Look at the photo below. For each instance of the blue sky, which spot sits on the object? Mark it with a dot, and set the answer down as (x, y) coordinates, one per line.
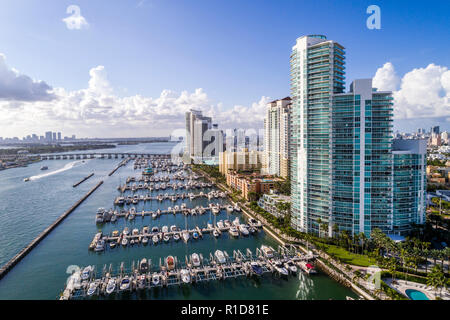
(236, 51)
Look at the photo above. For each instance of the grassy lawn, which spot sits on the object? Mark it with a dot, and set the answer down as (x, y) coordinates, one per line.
(349, 257)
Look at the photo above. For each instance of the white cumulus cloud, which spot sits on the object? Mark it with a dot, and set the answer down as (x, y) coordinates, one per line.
(420, 93)
(19, 87)
(98, 111)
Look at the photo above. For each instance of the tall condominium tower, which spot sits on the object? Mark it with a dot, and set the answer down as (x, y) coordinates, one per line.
(276, 137)
(196, 126)
(361, 144)
(348, 173)
(317, 72)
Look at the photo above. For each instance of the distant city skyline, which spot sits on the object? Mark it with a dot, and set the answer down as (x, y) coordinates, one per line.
(145, 73)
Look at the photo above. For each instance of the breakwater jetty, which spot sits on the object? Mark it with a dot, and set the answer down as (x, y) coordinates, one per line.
(11, 263)
(82, 180)
(121, 164)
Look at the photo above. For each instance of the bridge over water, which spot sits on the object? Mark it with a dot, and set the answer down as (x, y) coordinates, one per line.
(104, 155)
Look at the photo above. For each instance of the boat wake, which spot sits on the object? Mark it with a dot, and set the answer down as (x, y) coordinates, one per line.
(65, 168)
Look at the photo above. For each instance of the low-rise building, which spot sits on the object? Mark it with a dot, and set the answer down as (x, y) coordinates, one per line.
(270, 202)
(247, 183)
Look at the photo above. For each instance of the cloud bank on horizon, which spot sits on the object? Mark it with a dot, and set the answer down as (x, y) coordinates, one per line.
(420, 93)
(97, 111)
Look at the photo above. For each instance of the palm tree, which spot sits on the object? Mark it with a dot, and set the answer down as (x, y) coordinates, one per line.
(436, 279)
(363, 238)
(336, 231)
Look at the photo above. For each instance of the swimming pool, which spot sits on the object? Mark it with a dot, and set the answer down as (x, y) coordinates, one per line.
(416, 295)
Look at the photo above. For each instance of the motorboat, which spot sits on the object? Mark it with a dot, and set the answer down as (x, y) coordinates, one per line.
(155, 239)
(195, 235)
(155, 229)
(86, 272)
(256, 268)
(185, 235)
(252, 230)
(144, 240)
(165, 229)
(92, 288)
(154, 215)
(166, 238)
(230, 209)
(236, 222)
(234, 231)
(195, 259)
(173, 228)
(114, 218)
(280, 268)
(220, 225)
(135, 232)
(220, 257)
(227, 223)
(111, 286)
(307, 267)
(216, 233)
(291, 267)
(215, 210)
(124, 284)
(112, 244)
(185, 276)
(141, 281)
(124, 242)
(143, 265)
(155, 279)
(176, 237)
(126, 231)
(243, 230)
(267, 251)
(100, 245)
(237, 208)
(170, 262)
(44, 168)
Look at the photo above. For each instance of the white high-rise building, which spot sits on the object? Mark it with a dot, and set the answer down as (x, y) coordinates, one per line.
(276, 137)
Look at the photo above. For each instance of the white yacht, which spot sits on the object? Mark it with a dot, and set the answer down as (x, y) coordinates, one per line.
(87, 272)
(185, 276)
(195, 258)
(111, 286)
(267, 251)
(243, 229)
(92, 288)
(220, 256)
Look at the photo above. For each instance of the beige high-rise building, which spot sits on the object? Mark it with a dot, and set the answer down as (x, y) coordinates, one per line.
(276, 137)
(241, 160)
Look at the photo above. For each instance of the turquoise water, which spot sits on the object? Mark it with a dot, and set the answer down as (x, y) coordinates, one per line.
(416, 294)
(28, 208)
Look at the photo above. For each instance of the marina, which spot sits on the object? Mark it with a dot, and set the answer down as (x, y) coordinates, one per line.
(44, 277)
(171, 271)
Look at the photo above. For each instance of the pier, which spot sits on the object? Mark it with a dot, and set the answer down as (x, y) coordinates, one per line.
(121, 164)
(107, 216)
(82, 180)
(136, 236)
(146, 276)
(11, 263)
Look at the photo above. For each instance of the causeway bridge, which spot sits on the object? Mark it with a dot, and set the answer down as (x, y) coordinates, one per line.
(104, 155)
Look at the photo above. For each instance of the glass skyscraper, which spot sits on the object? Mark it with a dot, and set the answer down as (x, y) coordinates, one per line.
(344, 172)
(317, 72)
